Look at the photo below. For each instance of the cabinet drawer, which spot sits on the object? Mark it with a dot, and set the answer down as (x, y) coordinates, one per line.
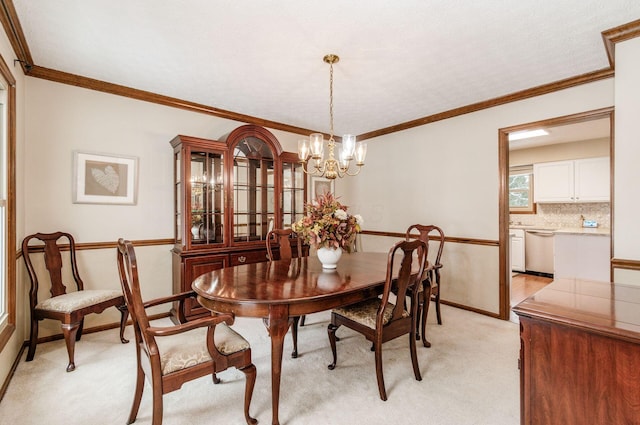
(248, 257)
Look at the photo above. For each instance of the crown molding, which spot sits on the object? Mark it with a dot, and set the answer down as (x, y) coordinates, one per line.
(103, 86)
(513, 97)
(13, 29)
(11, 24)
(618, 34)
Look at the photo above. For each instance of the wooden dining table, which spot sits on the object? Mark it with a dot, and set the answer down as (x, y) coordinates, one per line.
(280, 290)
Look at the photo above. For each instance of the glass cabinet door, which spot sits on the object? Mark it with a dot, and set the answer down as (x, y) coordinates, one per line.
(253, 190)
(178, 200)
(292, 193)
(207, 198)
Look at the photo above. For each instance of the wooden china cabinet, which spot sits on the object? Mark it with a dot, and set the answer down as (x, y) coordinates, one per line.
(228, 195)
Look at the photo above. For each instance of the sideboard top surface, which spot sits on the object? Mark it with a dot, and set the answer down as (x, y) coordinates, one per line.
(606, 308)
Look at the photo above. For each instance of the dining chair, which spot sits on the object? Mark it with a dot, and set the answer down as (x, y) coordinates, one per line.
(431, 279)
(69, 302)
(378, 319)
(169, 356)
(281, 238)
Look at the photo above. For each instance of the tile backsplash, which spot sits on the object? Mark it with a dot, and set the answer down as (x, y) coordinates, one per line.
(566, 215)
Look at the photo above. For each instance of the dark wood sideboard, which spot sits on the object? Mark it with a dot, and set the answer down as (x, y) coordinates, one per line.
(580, 354)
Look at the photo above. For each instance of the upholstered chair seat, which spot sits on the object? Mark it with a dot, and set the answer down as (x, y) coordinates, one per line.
(72, 301)
(365, 312)
(188, 349)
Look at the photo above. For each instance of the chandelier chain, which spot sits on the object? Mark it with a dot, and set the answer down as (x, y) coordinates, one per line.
(331, 100)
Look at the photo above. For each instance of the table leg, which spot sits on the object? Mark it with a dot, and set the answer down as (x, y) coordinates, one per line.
(278, 326)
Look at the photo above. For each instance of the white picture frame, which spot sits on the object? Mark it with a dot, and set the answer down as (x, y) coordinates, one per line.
(321, 185)
(104, 179)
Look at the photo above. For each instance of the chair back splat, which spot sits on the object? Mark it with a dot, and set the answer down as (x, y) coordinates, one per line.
(430, 288)
(282, 238)
(169, 356)
(378, 319)
(70, 303)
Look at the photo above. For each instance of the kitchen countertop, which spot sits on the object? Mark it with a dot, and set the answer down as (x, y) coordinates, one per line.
(583, 231)
(530, 227)
(596, 231)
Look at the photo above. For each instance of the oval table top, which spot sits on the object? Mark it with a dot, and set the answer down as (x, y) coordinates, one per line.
(302, 284)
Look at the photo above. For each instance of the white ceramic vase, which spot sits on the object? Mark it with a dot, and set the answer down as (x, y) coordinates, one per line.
(329, 257)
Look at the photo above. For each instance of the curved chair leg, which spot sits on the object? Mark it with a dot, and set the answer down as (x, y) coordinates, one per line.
(250, 372)
(124, 316)
(216, 380)
(294, 335)
(80, 329)
(424, 313)
(331, 330)
(302, 320)
(414, 357)
(70, 331)
(419, 310)
(33, 339)
(379, 375)
(438, 308)
(137, 396)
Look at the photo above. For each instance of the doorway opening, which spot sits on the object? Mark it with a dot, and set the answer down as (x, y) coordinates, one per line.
(584, 133)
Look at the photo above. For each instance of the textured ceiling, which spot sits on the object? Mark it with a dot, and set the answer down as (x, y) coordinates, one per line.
(588, 130)
(399, 61)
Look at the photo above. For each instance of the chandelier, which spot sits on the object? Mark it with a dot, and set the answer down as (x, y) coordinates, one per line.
(313, 148)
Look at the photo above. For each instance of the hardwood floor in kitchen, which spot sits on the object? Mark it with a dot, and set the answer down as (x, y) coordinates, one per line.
(524, 285)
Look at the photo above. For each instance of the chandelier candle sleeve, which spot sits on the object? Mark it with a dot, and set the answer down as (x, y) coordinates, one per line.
(348, 146)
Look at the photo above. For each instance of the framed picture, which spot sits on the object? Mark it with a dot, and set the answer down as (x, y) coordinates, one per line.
(104, 179)
(321, 186)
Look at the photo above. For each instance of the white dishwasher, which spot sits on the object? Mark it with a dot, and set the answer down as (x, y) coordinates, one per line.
(538, 251)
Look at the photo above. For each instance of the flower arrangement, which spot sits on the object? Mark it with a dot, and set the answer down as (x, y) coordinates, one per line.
(327, 224)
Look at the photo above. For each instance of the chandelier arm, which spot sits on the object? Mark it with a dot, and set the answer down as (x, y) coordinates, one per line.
(347, 173)
(317, 171)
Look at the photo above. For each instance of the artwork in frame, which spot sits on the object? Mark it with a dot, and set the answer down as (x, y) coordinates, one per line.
(104, 179)
(321, 186)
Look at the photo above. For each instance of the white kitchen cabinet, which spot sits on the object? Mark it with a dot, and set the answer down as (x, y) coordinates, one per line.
(581, 180)
(582, 256)
(591, 182)
(517, 250)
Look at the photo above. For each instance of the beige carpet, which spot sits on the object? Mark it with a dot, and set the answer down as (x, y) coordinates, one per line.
(470, 376)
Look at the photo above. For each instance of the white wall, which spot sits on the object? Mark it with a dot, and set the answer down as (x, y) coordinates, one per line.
(446, 173)
(627, 155)
(573, 150)
(65, 118)
(62, 119)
